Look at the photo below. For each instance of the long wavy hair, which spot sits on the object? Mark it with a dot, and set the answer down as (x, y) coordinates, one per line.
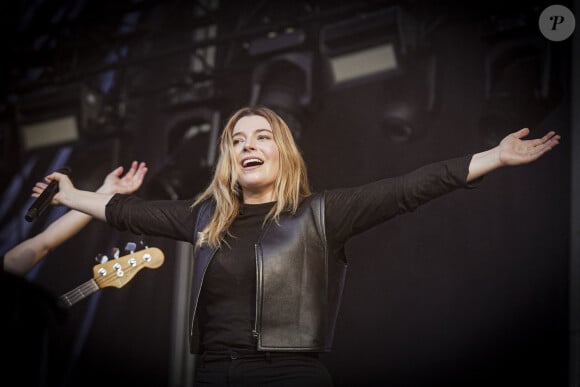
(291, 184)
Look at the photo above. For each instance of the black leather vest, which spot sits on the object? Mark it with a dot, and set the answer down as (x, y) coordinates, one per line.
(299, 285)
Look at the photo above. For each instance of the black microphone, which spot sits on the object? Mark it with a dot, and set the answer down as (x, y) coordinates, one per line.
(43, 201)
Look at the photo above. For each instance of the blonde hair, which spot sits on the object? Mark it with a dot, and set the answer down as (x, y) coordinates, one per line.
(290, 188)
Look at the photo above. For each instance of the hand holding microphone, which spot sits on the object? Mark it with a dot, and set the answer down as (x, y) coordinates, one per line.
(43, 201)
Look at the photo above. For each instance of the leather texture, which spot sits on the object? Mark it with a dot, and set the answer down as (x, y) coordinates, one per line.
(299, 286)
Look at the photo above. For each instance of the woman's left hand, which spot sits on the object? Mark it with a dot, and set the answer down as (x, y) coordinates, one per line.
(514, 150)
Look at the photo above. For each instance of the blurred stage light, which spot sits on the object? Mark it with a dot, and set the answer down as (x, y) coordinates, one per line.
(366, 62)
(363, 48)
(48, 117)
(52, 132)
(64, 114)
(284, 83)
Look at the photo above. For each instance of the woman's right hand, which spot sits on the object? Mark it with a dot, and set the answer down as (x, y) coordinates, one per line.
(91, 203)
(65, 186)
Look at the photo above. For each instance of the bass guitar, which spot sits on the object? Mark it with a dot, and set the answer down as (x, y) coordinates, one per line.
(115, 272)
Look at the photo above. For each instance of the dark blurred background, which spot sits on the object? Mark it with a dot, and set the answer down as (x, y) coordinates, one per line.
(472, 289)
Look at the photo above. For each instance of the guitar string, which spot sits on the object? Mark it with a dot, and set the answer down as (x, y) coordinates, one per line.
(80, 292)
(91, 286)
(88, 288)
(94, 284)
(70, 295)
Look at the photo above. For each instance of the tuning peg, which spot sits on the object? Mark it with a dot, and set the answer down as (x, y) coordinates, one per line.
(143, 244)
(100, 258)
(115, 252)
(131, 246)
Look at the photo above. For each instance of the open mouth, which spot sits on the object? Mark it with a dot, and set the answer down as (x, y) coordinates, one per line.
(251, 162)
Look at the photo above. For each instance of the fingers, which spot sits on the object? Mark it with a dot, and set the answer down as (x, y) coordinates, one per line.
(132, 171)
(118, 171)
(139, 176)
(547, 137)
(522, 133)
(142, 170)
(133, 168)
(550, 139)
(53, 176)
(138, 170)
(134, 177)
(38, 188)
(543, 145)
(553, 138)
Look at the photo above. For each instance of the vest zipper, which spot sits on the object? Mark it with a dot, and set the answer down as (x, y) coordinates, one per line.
(256, 331)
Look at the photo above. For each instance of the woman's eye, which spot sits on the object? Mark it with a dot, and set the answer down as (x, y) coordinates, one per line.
(237, 141)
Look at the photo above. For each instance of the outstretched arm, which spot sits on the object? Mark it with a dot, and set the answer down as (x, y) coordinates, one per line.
(512, 150)
(90, 203)
(22, 257)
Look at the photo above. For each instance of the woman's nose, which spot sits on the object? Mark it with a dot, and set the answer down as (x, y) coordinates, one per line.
(249, 144)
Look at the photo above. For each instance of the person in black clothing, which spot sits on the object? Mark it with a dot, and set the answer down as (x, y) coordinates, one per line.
(269, 257)
(30, 312)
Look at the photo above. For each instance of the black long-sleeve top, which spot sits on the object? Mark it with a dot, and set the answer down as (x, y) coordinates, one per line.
(227, 300)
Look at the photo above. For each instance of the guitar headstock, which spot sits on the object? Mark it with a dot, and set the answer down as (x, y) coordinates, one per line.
(118, 272)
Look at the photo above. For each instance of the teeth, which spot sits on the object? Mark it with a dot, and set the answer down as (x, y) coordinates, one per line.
(252, 162)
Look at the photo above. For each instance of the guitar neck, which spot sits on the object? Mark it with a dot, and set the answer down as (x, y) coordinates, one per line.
(79, 293)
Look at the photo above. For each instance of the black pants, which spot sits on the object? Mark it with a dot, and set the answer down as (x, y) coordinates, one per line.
(233, 369)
